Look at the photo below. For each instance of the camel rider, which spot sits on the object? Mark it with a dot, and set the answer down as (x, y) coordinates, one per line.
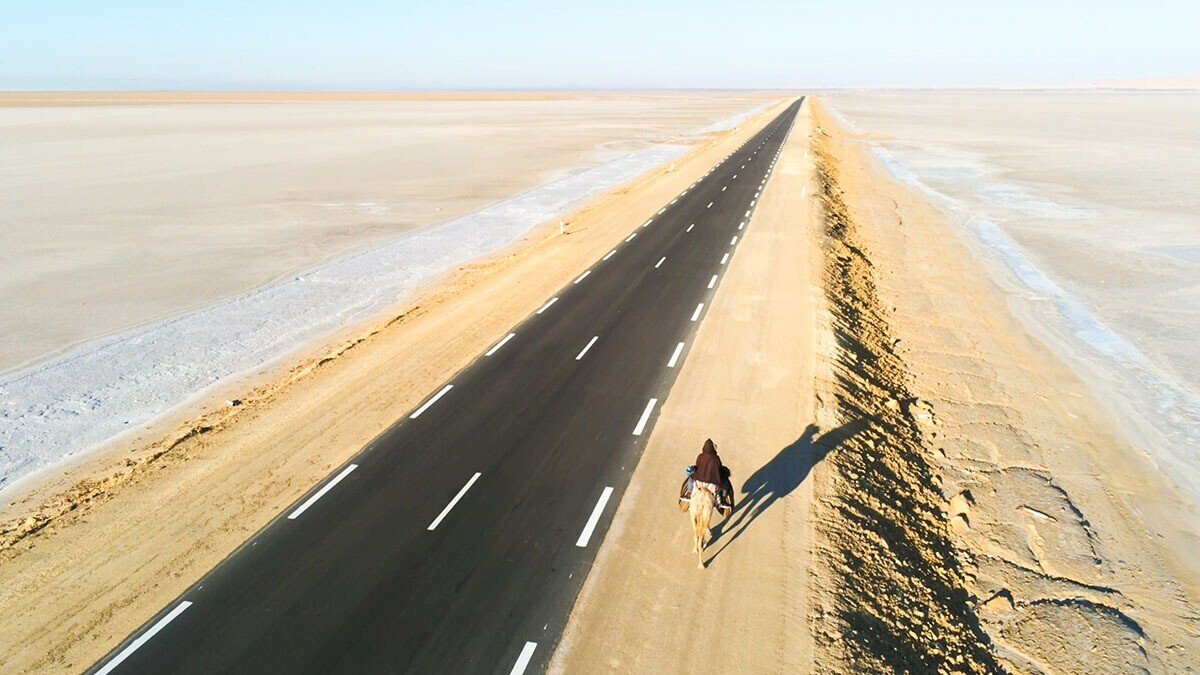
(711, 474)
(708, 467)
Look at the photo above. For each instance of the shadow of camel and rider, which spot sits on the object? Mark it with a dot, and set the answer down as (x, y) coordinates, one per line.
(777, 479)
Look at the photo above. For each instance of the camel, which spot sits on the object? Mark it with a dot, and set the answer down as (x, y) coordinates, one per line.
(701, 507)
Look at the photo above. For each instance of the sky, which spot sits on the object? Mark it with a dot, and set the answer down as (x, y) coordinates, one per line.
(621, 44)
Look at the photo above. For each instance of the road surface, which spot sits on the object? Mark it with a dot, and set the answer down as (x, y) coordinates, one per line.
(458, 540)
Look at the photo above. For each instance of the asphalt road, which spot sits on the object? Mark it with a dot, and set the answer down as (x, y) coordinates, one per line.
(458, 540)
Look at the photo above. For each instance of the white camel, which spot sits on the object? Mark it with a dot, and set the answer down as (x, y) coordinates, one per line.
(701, 507)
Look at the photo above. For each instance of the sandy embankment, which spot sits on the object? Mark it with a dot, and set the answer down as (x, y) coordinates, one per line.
(985, 515)
(748, 383)
(88, 566)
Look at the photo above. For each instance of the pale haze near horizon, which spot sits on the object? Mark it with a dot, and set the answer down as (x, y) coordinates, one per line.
(537, 44)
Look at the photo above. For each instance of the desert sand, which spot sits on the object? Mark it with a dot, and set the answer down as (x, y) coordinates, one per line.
(990, 515)
(88, 556)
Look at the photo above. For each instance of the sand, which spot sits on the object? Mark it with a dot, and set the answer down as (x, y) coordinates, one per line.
(989, 483)
(748, 383)
(91, 554)
(118, 215)
(1088, 203)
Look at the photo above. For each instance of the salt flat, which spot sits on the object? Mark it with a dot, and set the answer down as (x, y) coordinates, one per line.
(1090, 205)
(188, 210)
(117, 210)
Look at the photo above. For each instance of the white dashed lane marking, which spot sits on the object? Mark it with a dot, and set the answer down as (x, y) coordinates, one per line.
(144, 638)
(641, 425)
(499, 344)
(594, 518)
(678, 351)
(523, 660)
(582, 277)
(587, 347)
(441, 516)
(547, 305)
(431, 401)
(321, 493)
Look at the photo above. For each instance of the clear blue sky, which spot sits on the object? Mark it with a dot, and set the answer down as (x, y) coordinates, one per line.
(299, 44)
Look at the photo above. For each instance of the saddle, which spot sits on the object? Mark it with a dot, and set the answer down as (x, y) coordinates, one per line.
(724, 494)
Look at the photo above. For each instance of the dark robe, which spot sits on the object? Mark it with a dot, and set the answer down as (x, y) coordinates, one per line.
(708, 465)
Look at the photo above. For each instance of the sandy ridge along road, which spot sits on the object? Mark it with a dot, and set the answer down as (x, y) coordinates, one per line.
(986, 514)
